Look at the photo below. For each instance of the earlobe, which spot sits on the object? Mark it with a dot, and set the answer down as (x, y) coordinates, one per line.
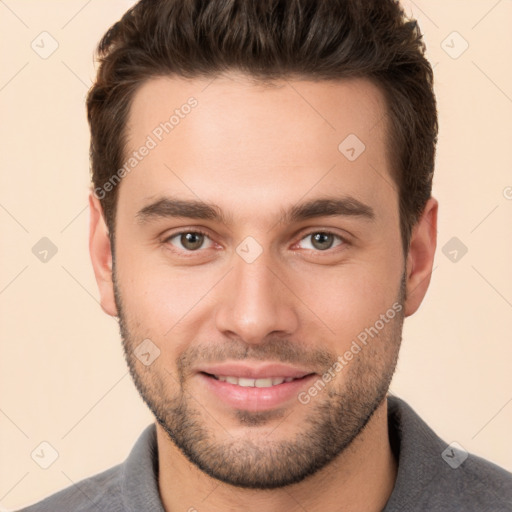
(420, 258)
(101, 256)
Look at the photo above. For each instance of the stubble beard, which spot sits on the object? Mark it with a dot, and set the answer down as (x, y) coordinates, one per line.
(337, 415)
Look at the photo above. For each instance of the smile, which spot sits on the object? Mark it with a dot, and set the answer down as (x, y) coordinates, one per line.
(253, 383)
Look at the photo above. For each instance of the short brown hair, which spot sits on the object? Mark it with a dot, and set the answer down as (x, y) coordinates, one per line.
(267, 40)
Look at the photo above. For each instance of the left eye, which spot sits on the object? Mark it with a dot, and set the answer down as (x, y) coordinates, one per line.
(322, 240)
(194, 240)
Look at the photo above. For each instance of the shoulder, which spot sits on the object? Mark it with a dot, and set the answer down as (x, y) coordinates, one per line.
(99, 492)
(475, 485)
(131, 485)
(434, 475)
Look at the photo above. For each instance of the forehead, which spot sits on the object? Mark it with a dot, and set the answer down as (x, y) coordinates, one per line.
(229, 137)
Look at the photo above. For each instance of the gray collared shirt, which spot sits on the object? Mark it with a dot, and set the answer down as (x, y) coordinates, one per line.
(432, 476)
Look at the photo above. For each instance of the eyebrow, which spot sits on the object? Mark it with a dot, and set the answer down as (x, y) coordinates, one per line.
(168, 207)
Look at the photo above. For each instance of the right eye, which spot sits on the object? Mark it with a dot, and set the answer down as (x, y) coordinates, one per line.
(190, 241)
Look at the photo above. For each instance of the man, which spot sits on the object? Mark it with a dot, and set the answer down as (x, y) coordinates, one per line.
(261, 224)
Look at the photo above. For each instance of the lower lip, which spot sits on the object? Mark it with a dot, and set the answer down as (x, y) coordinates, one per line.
(256, 399)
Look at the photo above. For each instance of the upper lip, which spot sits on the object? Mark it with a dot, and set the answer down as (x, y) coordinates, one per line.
(254, 371)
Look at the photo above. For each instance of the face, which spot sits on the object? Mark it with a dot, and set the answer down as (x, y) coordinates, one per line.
(258, 278)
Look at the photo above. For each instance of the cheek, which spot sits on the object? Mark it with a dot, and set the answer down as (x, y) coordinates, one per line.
(350, 298)
(158, 300)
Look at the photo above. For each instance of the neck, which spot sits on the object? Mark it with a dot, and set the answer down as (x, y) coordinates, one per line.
(361, 478)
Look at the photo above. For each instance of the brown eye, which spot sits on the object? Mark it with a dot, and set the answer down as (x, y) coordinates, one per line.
(192, 241)
(188, 241)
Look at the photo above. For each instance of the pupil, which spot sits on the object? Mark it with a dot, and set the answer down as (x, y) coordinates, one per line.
(192, 240)
(321, 238)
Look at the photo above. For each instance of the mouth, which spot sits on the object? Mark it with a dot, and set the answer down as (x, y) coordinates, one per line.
(245, 382)
(253, 388)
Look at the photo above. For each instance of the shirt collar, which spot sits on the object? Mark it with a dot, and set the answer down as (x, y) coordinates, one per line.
(139, 480)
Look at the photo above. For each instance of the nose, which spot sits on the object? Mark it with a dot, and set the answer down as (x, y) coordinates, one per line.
(256, 302)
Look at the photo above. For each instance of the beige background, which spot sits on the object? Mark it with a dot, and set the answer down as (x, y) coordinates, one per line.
(63, 378)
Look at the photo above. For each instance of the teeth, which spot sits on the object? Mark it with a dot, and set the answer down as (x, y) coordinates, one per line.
(254, 383)
(263, 383)
(246, 383)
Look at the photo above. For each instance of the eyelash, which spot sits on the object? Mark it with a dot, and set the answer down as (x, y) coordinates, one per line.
(200, 232)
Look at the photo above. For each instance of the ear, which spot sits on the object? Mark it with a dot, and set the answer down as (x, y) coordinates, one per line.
(421, 257)
(101, 256)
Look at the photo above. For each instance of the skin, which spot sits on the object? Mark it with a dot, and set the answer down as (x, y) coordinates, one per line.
(254, 151)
